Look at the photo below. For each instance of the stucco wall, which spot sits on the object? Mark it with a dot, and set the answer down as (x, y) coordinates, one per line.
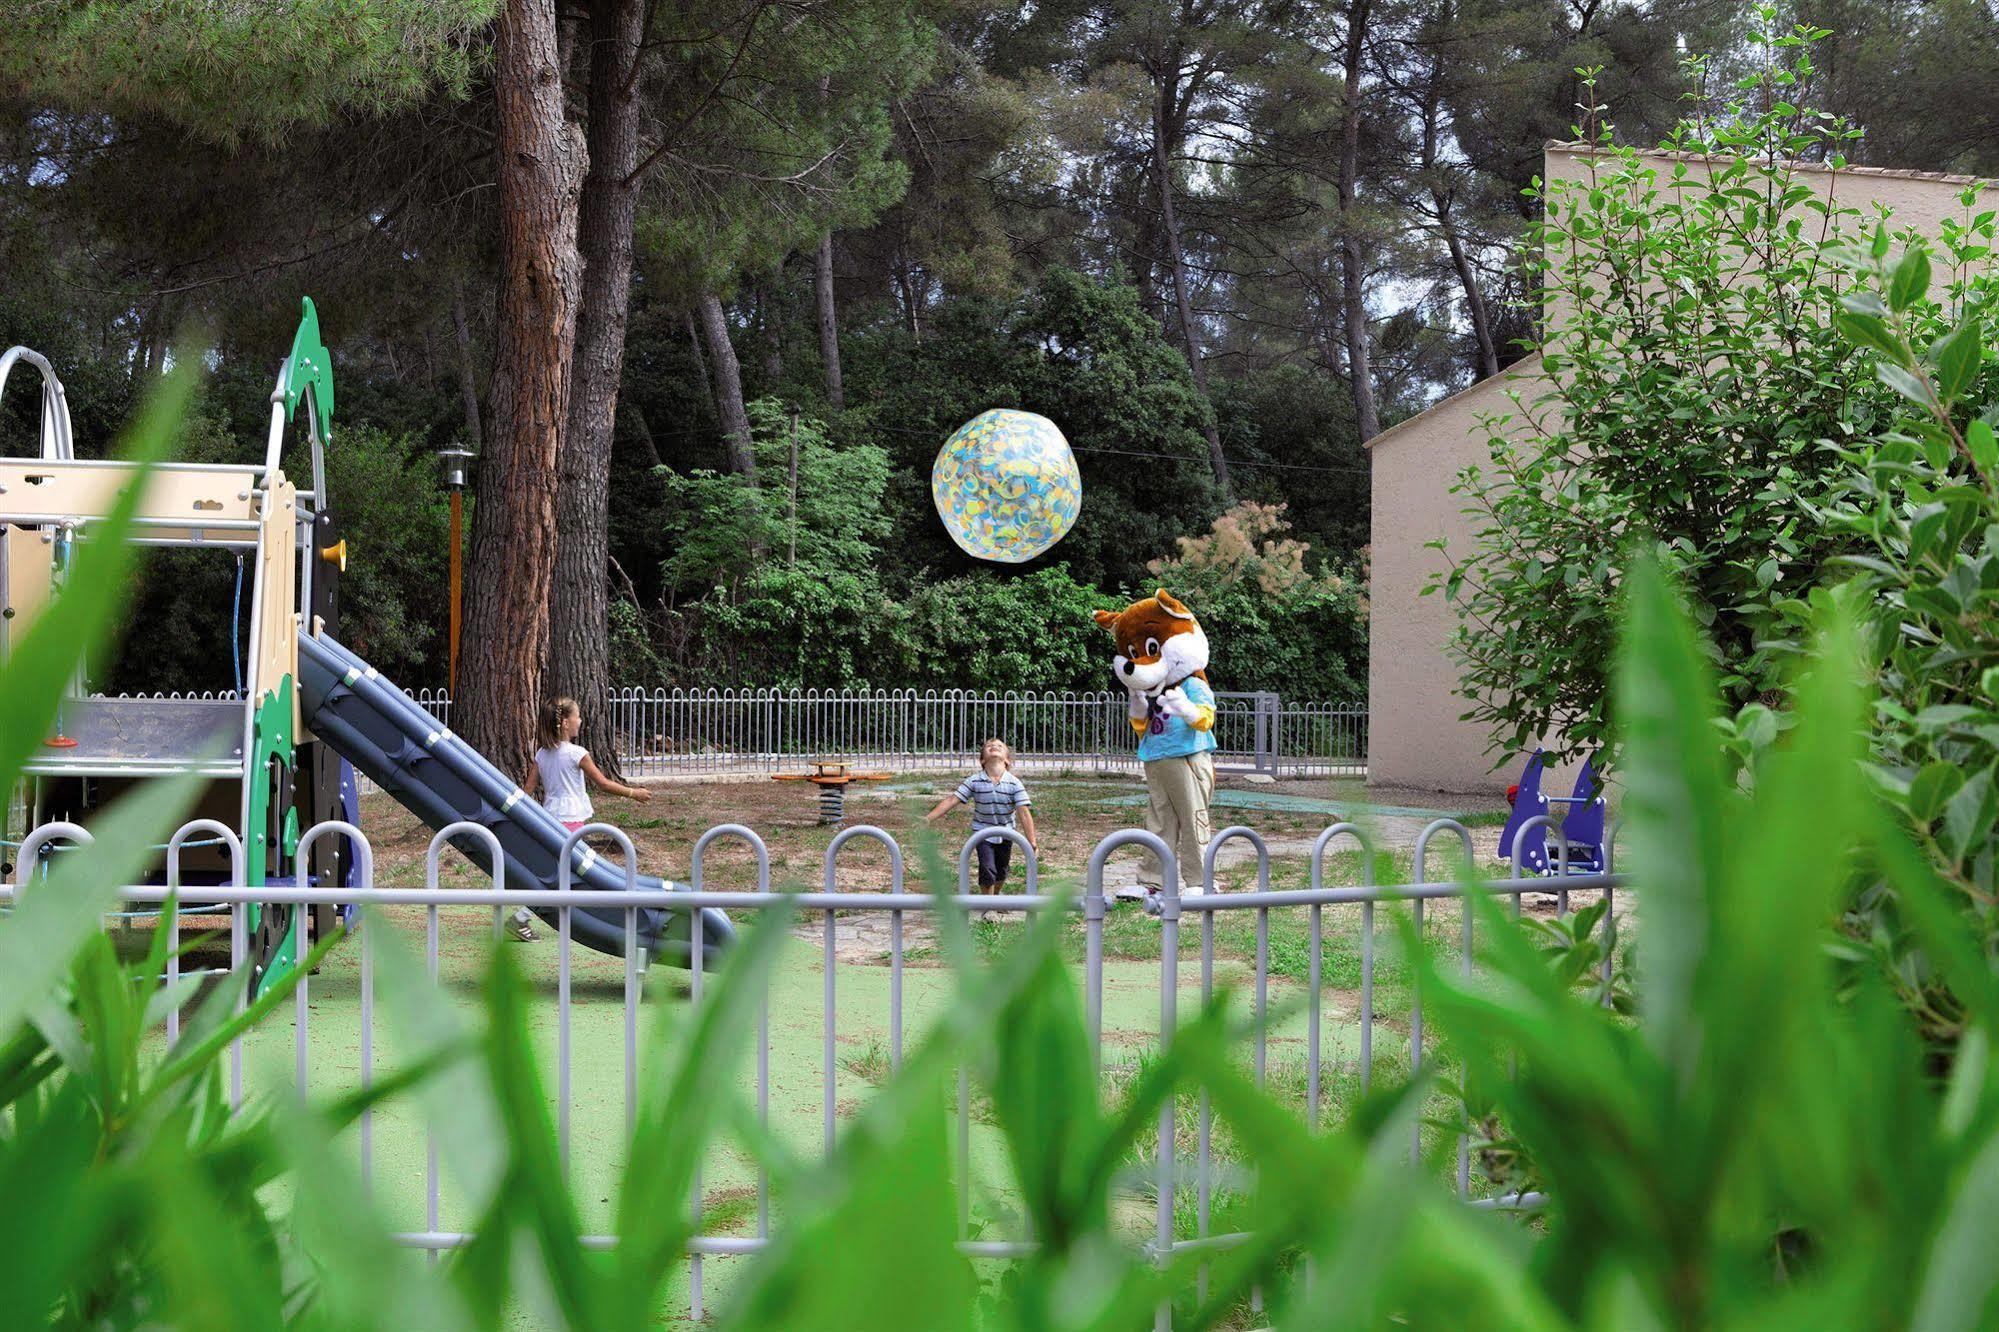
(1414, 736)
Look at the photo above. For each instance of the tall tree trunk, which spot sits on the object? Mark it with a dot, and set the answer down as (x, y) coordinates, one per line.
(579, 632)
(829, 321)
(728, 388)
(700, 357)
(541, 165)
(1443, 202)
(1190, 339)
(1481, 318)
(1353, 287)
(468, 379)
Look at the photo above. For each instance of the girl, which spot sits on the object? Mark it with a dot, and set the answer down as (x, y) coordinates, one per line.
(996, 796)
(560, 769)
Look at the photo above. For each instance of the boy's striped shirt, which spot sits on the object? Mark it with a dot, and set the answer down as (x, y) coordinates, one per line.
(993, 802)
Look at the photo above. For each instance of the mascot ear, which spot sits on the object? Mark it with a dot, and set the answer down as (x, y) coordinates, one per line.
(1106, 619)
(1171, 606)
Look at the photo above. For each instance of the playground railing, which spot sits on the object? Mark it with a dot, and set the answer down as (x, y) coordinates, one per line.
(1278, 950)
(661, 731)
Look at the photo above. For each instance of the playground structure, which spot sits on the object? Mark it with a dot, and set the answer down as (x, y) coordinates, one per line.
(306, 714)
(832, 777)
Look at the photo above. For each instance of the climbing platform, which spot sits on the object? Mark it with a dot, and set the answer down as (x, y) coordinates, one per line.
(145, 737)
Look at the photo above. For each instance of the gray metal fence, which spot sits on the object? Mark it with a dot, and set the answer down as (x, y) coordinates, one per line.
(1333, 1044)
(727, 730)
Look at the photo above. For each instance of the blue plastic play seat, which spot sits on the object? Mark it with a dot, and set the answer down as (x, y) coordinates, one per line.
(1582, 829)
(1527, 803)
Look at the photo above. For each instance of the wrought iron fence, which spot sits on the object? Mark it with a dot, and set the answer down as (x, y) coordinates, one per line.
(724, 730)
(1333, 1045)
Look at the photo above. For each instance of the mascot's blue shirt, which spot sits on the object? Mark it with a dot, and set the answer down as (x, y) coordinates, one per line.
(1167, 736)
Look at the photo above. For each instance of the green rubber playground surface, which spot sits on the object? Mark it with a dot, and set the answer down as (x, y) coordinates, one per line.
(797, 1051)
(1237, 798)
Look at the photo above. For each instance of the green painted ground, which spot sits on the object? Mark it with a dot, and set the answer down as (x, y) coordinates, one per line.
(1131, 1025)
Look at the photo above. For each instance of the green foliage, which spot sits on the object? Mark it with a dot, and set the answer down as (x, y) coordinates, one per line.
(1085, 354)
(781, 131)
(1766, 1144)
(1920, 515)
(1693, 363)
(722, 531)
(1274, 624)
(226, 70)
(1725, 1160)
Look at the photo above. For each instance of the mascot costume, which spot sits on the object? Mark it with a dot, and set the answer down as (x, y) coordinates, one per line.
(1162, 660)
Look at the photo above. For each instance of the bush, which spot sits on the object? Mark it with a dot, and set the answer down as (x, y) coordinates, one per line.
(1920, 512)
(1696, 366)
(1275, 623)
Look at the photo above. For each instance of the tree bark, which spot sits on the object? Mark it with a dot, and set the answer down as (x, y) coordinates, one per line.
(1190, 339)
(1443, 202)
(728, 388)
(829, 321)
(468, 379)
(1353, 288)
(579, 634)
(1481, 318)
(700, 357)
(541, 163)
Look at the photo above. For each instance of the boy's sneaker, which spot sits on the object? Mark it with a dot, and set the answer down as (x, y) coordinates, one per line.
(521, 930)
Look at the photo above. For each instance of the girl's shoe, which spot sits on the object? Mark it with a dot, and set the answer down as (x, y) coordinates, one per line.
(520, 930)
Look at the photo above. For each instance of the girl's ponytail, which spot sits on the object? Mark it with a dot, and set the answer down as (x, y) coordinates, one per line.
(548, 722)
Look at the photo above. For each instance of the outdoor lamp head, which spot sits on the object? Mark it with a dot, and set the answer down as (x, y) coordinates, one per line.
(451, 466)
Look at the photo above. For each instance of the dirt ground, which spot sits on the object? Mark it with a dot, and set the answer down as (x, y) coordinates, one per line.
(1072, 815)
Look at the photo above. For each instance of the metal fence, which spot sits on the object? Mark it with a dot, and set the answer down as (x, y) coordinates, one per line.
(1331, 1043)
(724, 730)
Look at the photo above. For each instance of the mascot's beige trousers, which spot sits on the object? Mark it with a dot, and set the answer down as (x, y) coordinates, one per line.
(1182, 790)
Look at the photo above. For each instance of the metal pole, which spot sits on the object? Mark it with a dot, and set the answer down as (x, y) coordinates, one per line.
(457, 575)
(791, 557)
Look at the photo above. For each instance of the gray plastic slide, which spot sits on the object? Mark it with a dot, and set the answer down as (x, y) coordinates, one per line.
(443, 780)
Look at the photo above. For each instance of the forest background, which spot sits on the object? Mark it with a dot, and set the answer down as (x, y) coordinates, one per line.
(642, 257)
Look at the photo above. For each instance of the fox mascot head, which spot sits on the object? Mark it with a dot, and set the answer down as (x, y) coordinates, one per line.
(1158, 644)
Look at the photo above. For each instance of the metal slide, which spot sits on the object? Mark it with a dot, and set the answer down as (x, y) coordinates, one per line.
(443, 780)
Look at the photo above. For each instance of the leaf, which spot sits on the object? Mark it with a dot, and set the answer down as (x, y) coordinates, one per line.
(1908, 383)
(1983, 446)
(1961, 1280)
(1958, 357)
(1910, 280)
(1871, 331)
(43, 661)
(1932, 788)
(1969, 813)
(1673, 786)
(58, 916)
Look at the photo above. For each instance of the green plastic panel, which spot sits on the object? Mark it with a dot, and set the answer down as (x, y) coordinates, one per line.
(310, 366)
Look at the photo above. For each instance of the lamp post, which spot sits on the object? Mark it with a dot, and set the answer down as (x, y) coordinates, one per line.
(451, 467)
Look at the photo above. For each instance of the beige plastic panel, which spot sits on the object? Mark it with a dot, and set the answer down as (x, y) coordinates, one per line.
(276, 634)
(30, 571)
(88, 490)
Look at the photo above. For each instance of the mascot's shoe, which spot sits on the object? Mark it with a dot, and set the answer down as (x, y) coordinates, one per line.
(1133, 892)
(1153, 907)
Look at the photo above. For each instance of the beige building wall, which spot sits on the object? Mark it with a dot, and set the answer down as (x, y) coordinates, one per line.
(1414, 736)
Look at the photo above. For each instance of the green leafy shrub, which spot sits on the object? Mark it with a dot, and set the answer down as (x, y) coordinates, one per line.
(1278, 620)
(1694, 366)
(1920, 511)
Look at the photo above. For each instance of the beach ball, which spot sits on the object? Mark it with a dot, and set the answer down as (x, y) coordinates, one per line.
(1006, 486)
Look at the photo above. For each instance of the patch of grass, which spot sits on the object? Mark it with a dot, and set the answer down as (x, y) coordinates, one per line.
(871, 1064)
